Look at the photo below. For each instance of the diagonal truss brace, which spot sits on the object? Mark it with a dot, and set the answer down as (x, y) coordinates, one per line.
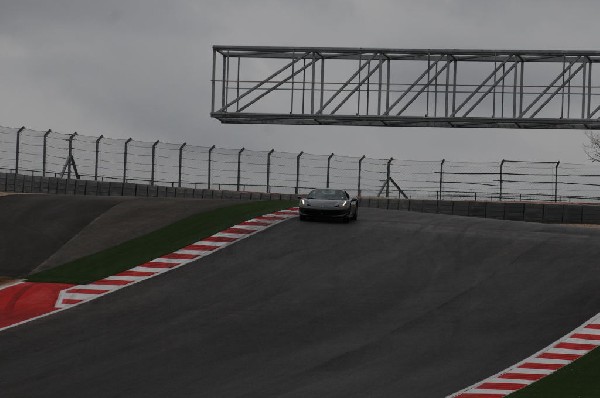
(483, 83)
(346, 84)
(358, 86)
(492, 87)
(592, 114)
(260, 84)
(413, 99)
(276, 86)
(535, 101)
(571, 76)
(413, 85)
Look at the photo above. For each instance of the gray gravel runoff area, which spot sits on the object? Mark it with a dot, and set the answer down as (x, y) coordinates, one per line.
(397, 304)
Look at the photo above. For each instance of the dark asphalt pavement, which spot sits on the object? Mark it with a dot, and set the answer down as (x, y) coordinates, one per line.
(397, 304)
(41, 231)
(34, 226)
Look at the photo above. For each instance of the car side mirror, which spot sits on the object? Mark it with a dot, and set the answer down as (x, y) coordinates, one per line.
(299, 197)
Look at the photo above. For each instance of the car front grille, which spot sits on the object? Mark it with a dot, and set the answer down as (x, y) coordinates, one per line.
(323, 212)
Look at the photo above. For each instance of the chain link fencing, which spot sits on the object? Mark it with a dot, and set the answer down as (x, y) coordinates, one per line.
(69, 156)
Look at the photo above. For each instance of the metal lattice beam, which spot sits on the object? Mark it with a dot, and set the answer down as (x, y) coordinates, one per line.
(412, 88)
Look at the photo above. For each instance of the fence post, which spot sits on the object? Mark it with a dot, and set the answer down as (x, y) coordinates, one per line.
(180, 163)
(152, 172)
(239, 170)
(269, 170)
(125, 160)
(209, 163)
(441, 176)
(18, 144)
(328, 167)
(70, 158)
(44, 152)
(501, 179)
(556, 181)
(359, 173)
(387, 180)
(97, 152)
(298, 171)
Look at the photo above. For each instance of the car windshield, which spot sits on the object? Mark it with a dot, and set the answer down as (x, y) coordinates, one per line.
(327, 194)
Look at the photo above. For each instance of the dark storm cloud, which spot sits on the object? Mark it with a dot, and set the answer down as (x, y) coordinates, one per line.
(142, 68)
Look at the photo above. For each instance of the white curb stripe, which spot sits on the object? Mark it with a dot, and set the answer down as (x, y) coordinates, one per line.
(199, 253)
(229, 235)
(166, 260)
(251, 227)
(528, 371)
(141, 268)
(503, 380)
(211, 243)
(493, 393)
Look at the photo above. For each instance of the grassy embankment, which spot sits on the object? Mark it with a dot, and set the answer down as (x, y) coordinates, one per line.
(155, 244)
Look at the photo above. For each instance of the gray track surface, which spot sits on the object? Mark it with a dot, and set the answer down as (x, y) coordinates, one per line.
(397, 304)
(42, 231)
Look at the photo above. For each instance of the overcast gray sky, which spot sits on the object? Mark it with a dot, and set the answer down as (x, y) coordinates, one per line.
(142, 68)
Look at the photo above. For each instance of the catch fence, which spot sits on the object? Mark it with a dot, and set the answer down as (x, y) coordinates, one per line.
(71, 156)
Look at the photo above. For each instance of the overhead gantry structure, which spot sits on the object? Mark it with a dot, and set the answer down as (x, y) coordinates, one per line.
(408, 88)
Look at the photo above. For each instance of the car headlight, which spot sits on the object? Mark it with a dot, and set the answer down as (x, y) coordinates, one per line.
(303, 202)
(345, 203)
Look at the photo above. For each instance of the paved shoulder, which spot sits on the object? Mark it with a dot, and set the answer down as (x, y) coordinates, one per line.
(35, 226)
(41, 231)
(128, 219)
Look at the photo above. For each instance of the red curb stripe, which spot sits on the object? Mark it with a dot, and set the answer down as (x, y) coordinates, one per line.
(566, 357)
(575, 346)
(585, 336)
(179, 256)
(87, 291)
(237, 231)
(71, 301)
(593, 326)
(479, 395)
(219, 239)
(136, 273)
(547, 366)
(200, 247)
(111, 282)
(158, 264)
(271, 218)
(522, 376)
(257, 223)
(502, 386)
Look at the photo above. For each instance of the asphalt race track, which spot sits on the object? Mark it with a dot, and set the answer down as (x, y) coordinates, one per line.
(397, 304)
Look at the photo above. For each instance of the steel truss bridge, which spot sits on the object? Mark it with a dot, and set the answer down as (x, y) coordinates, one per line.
(408, 88)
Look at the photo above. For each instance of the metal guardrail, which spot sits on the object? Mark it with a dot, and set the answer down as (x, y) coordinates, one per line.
(99, 158)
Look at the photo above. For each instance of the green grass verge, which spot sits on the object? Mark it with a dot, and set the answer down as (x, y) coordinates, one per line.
(155, 244)
(580, 379)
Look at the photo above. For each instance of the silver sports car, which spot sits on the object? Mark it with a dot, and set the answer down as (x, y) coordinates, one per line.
(328, 203)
